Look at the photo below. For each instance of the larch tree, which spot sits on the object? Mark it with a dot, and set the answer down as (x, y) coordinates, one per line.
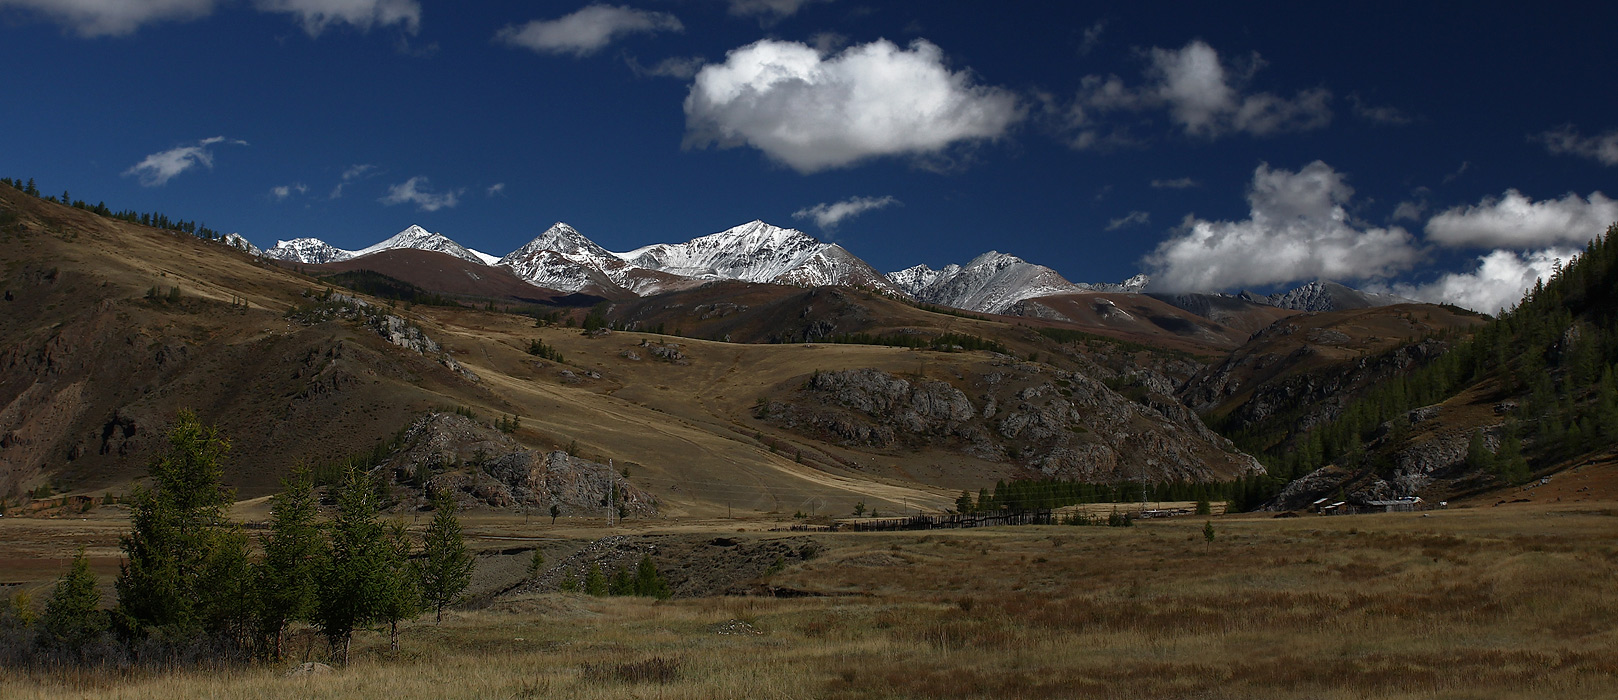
(446, 565)
(181, 545)
(354, 567)
(72, 617)
(286, 579)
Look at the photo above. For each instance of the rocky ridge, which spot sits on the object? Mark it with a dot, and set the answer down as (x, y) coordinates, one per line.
(1058, 424)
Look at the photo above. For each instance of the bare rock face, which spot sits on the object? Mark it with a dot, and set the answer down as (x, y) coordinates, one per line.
(578, 485)
(1063, 425)
(483, 465)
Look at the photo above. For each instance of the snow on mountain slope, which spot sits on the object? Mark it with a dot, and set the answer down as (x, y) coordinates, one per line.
(235, 240)
(486, 258)
(562, 258)
(990, 283)
(421, 239)
(1331, 296)
(758, 252)
(310, 251)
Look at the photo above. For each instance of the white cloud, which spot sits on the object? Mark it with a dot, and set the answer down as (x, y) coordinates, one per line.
(587, 31)
(1409, 210)
(414, 191)
(318, 15)
(1175, 184)
(1092, 37)
(1383, 114)
(767, 10)
(814, 112)
(1134, 218)
(1465, 166)
(353, 173)
(158, 168)
(1204, 95)
(281, 192)
(1515, 221)
(91, 18)
(1567, 140)
(675, 67)
(496, 188)
(828, 216)
(1499, 281)
(1298, 228)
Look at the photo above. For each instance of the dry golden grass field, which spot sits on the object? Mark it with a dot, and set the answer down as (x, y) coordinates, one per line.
(1478, 601)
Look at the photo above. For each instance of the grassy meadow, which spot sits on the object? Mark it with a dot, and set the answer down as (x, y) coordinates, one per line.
(1515, 601)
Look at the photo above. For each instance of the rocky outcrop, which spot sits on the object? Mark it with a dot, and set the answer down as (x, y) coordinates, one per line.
(1062, 425)
(482, 465)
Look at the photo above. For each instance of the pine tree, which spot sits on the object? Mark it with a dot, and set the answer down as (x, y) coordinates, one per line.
(179, 540)
(286, 578)
(446, 567)
(354, 565)
(72, 619)
(963, 503)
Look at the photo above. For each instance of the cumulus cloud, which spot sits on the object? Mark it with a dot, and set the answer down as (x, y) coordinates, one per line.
(1515, 221)
(1298, 228)
(1499, 281)
(814, 112)
(1134, 218)
(496, 188)
(1567, 140)
(587, 31)
(1204, 95)
(352, 174)
(317, 16)
(92, 18)
(158, 168)
(828, 216)
(281, 192)
(1175, 184)
(414, 191)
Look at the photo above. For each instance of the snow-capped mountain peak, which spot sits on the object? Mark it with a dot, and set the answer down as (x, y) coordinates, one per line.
(310, 251)
(235, 240)
(562, 258)
(759, 252)
(421, 239)
(563, 239)
(990, 283)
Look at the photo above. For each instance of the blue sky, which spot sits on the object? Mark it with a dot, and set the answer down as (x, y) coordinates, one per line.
(1440, 153)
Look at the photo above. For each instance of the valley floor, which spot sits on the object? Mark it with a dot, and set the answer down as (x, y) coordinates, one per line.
(1476, 602)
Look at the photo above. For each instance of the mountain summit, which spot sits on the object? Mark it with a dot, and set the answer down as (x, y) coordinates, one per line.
(758, 252)
(993, 282)
(421, 239)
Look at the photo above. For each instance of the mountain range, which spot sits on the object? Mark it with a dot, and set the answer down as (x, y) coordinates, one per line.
(564, 260)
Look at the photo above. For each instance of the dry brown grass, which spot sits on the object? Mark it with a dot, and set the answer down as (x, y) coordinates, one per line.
(1476, 603)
